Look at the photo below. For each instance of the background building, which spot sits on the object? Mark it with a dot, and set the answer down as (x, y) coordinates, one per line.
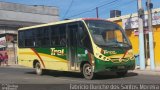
(130, 25)
(14, 16)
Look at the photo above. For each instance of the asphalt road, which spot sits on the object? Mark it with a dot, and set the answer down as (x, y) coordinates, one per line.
(25, 76)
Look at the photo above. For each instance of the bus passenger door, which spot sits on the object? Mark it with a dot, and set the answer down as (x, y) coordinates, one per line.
(72, 46)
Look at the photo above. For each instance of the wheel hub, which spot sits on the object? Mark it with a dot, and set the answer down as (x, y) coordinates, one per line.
(88, 71)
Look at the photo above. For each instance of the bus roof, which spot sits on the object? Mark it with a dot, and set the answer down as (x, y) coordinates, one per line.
(59, 22)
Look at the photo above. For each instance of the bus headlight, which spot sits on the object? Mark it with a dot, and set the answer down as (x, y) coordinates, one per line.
(132, 58)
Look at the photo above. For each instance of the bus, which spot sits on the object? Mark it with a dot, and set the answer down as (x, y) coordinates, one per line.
(85, 45)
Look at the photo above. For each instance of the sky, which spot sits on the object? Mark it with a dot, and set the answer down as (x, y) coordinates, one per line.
(69, 9)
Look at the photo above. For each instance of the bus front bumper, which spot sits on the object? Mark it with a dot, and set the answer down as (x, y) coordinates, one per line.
(101, 66)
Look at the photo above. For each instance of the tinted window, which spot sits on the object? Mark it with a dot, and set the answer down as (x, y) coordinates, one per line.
(84, 37)
(58, 35)
(29, 38)
(21, 39)
(42, 37)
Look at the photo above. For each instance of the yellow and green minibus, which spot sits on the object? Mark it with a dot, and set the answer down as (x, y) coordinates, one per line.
(86, 45)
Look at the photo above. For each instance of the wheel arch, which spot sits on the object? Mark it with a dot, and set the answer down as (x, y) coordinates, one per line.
(81, 65)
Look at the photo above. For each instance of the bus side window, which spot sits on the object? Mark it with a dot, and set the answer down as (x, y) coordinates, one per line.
(29, 38)
(62, 30)
(84, 39)
(54, 36)
(58, 35)
(63, 41)
(21, 39)
(45, 38)
(42, 37)
(82, 36)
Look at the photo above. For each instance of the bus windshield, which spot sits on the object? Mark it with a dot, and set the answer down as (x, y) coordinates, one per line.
(105, 33)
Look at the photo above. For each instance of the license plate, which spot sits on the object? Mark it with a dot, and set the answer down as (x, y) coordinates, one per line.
(121, 67)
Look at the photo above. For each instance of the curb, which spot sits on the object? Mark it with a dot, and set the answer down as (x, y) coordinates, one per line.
(147, 72)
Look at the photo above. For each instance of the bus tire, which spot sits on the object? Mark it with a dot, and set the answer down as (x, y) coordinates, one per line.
(122, 73)
(38, 68)
(88, 71)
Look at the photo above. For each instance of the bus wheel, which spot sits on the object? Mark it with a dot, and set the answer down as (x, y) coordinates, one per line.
(122, 73)
(39, 70)
(88, 71)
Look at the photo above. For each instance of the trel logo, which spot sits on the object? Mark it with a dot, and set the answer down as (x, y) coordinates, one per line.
(109, 52)
(57, 52)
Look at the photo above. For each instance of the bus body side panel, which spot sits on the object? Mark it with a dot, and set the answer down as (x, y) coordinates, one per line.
(26, 57)
(83, 56)
(49, 58)
(54, 58)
